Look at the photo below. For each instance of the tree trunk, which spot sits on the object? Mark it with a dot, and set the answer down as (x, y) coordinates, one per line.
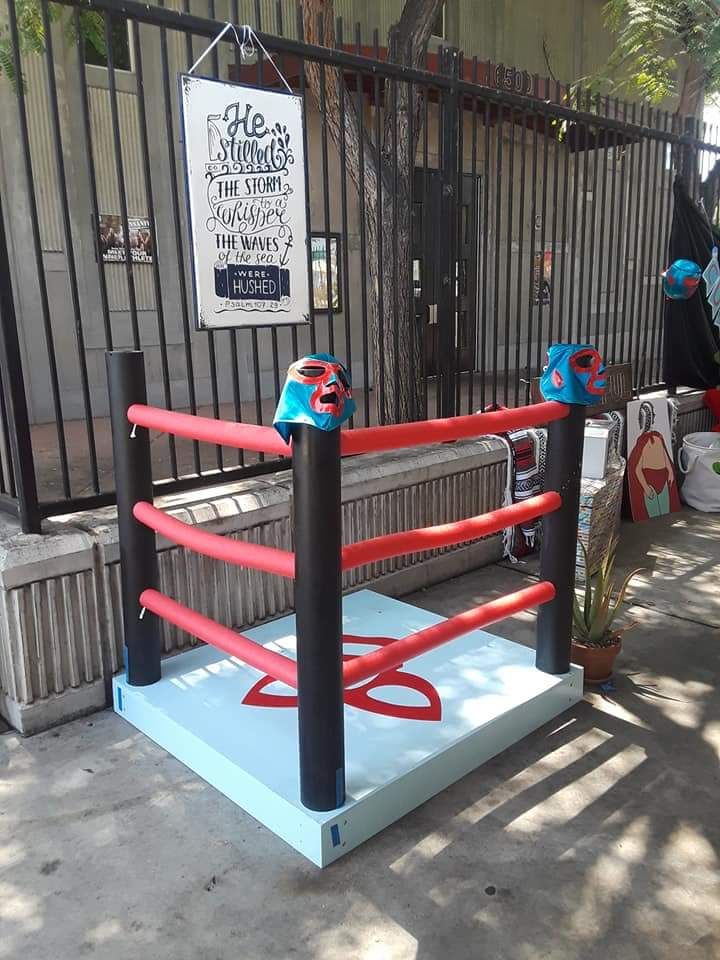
(692, 91)
(388, 172)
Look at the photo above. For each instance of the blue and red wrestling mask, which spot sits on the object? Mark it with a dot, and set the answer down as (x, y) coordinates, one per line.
(575, 373)
(318, 392)
(681, 279)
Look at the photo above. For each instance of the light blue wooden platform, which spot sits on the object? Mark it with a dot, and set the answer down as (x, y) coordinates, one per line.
(491, 696)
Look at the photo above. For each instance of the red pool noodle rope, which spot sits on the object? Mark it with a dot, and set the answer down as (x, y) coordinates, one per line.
(226, 433)
(446, 534)
(415, 644)
(267, 661)
(253, 555)
(422, 432)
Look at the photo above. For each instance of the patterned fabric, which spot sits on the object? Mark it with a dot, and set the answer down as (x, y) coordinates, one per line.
(525, 472)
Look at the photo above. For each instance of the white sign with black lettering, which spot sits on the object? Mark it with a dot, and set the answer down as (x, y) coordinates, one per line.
(246, 189)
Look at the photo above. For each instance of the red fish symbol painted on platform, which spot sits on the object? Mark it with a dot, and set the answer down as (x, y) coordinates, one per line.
(360, 696)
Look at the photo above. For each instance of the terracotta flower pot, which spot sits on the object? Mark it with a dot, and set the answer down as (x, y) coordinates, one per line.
(597, 662)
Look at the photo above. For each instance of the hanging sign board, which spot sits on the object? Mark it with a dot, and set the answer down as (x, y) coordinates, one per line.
(245, 169)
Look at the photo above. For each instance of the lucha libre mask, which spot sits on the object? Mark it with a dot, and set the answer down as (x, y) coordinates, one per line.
(575, 373)
(681, 279)
(317, 391)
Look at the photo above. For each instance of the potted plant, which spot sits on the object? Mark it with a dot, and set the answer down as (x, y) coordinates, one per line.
(595, 642)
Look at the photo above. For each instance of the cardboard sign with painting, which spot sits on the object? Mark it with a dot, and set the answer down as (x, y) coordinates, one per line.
(652, 484)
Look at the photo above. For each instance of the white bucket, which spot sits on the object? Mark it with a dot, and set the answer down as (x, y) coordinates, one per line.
(699, 460)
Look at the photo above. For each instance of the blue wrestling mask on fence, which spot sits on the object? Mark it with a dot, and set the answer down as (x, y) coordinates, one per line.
(575, 373)
(681, 279)
(318, 392)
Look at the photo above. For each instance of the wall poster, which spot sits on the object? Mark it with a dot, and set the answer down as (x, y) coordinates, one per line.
(542, 277)
(112, 239)
(246, 189)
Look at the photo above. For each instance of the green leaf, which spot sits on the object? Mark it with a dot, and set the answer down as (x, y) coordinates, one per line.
(621, 595)
(650, 35)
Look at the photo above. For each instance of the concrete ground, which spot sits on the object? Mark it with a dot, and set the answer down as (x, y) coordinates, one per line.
(596, 837)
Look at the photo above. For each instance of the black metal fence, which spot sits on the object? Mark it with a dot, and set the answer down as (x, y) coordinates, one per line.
(533, 213)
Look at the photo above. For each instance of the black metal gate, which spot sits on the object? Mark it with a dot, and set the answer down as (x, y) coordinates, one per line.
(537, 216)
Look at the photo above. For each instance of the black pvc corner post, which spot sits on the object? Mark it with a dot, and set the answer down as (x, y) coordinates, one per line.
(559, 540)
(133, 482)
(318, 616)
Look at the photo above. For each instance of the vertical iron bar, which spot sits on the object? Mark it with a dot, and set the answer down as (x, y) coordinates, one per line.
(393, 84)
(473, 220)
(157, 284)
(572, 310)
(344, 213)
(664, 248)
(614, 226)
(529, 369)
(89, 159)
(651, 254)
(593, 216)
(379, 166)
(458, 192)
(622, 239)
(326, 207)
(583, 221)
(486, 250)
(639, 255)
(38, 254)
(176, 222)
(553, 229)
(564, 252)
(121, 185)
(284, 69)
(274, 349)
(498, 228)
(16, 422)
(425, 267)
(520, 270)
(7, 474)
(233, 334)
(303, 93)
(543, 229)
(601, 234)
(415, 413)
(359, 102)
(447, 232)
(69, 249)
(508, 255)
(210, 334)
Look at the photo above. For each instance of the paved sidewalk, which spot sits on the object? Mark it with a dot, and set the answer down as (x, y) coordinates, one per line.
(597, 837)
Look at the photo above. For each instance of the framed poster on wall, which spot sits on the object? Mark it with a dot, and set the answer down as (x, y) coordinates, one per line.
(319, 252)
(112, 239)
(246, 189)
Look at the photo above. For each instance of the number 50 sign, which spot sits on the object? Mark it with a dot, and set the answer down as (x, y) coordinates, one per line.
(246, 190)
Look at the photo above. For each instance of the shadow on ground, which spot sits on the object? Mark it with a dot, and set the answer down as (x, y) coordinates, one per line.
(595, 837)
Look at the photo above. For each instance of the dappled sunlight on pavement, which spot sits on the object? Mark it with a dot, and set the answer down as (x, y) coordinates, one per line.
(595, 837)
